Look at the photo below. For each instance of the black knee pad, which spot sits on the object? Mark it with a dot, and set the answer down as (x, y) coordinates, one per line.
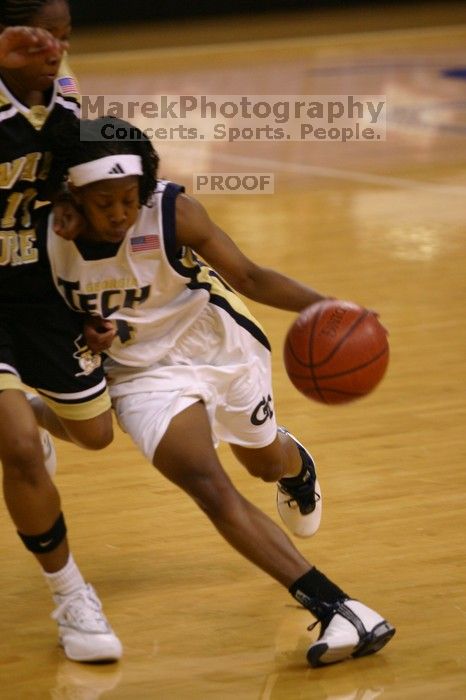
(47, 541)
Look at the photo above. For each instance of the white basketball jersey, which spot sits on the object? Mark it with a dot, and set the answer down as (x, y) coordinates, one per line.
(152, 288)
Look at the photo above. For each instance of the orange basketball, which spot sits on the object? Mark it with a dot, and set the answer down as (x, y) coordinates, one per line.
(336, 352)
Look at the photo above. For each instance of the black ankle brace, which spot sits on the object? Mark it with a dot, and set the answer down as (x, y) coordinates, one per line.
(316, 593)
(47, 541)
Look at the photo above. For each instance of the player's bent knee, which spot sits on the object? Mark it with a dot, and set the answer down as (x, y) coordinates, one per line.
(23, 459)
(98, 441)
(94, 434)
(100, 433)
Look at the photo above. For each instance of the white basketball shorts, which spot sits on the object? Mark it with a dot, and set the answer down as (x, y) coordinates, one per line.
(217, 362)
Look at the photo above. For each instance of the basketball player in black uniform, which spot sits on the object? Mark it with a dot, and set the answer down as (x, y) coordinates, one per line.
(41, 343)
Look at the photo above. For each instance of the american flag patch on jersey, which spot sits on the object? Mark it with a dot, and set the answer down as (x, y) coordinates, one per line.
(68, 86)
(148, 242)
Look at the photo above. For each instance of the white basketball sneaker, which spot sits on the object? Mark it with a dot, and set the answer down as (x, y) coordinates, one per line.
(84, 631)
(348, 628)
(48, 448)
(300, 504)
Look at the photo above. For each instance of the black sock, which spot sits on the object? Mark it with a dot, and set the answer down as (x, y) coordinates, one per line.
(314, 589)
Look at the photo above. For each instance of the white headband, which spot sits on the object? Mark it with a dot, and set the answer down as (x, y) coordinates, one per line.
(106, 168)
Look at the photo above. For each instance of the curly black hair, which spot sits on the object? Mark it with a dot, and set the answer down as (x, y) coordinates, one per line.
(89, 139)
(16, 12)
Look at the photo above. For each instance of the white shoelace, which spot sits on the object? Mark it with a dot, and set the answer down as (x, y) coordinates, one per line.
(82, 611)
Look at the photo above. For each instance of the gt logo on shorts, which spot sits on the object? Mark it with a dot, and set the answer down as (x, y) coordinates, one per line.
(262, 411)
(87, 361)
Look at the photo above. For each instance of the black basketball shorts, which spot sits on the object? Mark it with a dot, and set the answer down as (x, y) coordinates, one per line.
(42, 346)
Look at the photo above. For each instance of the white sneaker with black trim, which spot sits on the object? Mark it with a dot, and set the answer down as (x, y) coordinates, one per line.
(349, 628)
(84, 631)
(48, 448)
(300, 504)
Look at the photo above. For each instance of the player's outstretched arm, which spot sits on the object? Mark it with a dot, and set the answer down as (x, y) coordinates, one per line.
(195, 229)
(19, 46)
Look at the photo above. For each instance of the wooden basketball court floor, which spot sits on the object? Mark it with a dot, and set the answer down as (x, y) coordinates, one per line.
(379, 223)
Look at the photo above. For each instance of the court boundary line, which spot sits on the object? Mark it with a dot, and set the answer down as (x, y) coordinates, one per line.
(335, 174)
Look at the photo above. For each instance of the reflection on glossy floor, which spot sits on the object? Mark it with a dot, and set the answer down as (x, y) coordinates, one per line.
(382, 224)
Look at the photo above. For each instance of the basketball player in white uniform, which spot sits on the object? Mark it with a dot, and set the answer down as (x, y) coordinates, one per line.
(190, 366)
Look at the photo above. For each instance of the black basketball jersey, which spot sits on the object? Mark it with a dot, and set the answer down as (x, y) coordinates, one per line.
(24, 168)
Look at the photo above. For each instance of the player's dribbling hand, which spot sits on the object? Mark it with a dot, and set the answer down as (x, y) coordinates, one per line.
(19, 46)
(99, 333)
(68, 222)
